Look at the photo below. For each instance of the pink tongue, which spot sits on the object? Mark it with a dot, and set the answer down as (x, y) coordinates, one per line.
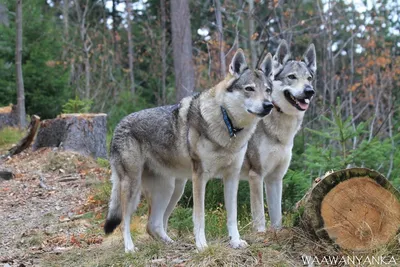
(302, 105)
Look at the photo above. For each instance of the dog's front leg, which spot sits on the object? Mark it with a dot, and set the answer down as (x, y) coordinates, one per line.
(273, 189)
(199, 190)
(231, 184)
(257, 202)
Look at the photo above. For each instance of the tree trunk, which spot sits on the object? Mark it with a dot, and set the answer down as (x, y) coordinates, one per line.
(218, 18)
(86, 43)
(251, 34)
(182, 48)
(4, 14)
(358, 209)
(114, 27)
(130, 46)
(9, 116)
(163, 51)
(18, 64)
(65, 13)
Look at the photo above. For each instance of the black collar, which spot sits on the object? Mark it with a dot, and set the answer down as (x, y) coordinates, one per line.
(277, 107)
(232, 130)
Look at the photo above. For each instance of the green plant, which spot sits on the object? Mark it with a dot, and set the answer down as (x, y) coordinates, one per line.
(10, 135)
(216, 222)
(104, 163)
(77, 105)
(295, 185)
(336, 149)
(181, 220)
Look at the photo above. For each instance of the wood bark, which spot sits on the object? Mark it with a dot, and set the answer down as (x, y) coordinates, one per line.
(163, 52)
(4, 14)
(130, 45)
(9, 116)
(218, 18)
(182, 48)
(86, 43)
(82, 133)
(357, 209)
(65, 13)
(251, 34)
(18, 64)
(25, 142)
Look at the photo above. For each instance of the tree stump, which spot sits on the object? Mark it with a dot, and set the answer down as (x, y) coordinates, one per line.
(8, 116)
(358, 209)
(83, 133)
(25, 142)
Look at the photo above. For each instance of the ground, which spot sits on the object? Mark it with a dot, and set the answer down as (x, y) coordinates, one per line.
(53, 211)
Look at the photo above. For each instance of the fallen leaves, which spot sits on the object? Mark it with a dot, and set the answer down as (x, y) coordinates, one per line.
(65, 241)
(51, 221)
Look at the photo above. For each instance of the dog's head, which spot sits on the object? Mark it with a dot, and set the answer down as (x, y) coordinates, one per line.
(248, 90)
(292, 80)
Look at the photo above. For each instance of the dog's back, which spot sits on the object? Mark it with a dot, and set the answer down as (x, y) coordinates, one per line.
(150, 136)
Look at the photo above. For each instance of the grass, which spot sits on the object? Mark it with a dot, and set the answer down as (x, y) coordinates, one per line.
(8, 137)
(285, 248)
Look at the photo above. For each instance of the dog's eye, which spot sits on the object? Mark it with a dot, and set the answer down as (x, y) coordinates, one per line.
(309, 79)
(249, 89)
(269, 90)
(292, 77)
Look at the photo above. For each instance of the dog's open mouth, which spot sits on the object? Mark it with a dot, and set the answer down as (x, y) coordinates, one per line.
(300, 104)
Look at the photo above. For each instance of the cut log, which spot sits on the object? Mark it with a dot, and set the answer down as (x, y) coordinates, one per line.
(357, 209)
(8, 116)
(25, 142)
(83, 133)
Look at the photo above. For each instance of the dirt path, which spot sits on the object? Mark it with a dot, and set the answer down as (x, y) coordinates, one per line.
(43, 208)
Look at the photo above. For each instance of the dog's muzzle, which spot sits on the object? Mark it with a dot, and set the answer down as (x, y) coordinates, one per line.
(309, 91)
(267, 107)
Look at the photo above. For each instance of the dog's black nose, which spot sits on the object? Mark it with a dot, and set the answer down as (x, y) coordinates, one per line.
(309, 91)
(268, 106)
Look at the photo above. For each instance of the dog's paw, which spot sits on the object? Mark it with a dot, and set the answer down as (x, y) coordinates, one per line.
(166, 239)
(201, 246)
(131, 249)
(259, 230)
(240, 243)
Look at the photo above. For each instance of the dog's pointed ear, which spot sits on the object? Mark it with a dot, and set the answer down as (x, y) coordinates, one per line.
(310, 58)
(282, 53)
(238, 63)
(266, 65)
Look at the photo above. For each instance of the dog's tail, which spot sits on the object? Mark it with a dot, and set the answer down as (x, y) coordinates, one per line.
(114, 216)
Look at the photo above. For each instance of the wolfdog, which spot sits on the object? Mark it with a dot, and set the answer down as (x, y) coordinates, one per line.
(270, 149)
(205, 136)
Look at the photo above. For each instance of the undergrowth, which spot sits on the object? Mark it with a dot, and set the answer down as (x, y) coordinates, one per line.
(8, 137)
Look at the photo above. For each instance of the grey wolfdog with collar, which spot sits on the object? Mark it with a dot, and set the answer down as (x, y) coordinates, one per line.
(270, 149)
(155, 150)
